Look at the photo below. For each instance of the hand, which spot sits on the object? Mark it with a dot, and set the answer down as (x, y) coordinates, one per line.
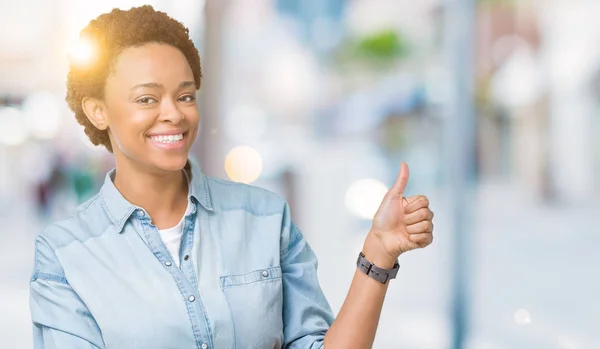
(400, 224)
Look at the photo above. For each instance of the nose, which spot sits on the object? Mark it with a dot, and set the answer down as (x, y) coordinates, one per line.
(169, 112)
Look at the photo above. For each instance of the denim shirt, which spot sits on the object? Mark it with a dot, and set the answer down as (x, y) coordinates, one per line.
(247, 277)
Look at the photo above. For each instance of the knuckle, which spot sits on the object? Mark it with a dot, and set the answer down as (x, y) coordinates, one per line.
(418, 238)
(425, 241)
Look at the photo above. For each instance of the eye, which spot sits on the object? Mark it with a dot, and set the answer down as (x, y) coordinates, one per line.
(187, 98)
(147, 100)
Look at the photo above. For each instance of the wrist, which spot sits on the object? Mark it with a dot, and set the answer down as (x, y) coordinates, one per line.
(376, 253)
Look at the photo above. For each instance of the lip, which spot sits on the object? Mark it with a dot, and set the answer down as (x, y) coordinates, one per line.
(167, 133)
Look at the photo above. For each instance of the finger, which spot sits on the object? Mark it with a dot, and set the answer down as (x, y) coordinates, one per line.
(421, 240)
(398, 187)
(422, 214)
(412, 199)
(404, 201)
(415, 203)
(420, 228)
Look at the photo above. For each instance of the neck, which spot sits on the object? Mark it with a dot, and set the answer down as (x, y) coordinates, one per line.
(162, 194)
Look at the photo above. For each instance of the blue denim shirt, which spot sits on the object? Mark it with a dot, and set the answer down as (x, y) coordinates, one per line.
(247, 279)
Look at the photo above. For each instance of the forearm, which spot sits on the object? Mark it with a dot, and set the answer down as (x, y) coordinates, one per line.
(400, 225)
(356, 323)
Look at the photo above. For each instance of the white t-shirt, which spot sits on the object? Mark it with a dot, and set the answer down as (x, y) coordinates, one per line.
(171, 237)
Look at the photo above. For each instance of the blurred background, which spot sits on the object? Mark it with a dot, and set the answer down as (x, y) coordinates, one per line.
(492, 103)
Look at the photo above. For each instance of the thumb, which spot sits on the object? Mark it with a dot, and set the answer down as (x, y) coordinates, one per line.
(397, 190)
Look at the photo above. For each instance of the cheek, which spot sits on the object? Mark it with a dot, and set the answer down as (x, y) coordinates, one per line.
(193, 121)
(192, 133)
(128, 129)
(192, 117)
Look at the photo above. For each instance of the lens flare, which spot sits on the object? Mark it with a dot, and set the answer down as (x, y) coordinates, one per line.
(243, 164)
(84, 52)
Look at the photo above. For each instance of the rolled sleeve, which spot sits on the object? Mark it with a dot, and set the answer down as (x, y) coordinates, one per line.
(306, 313)
(60, 318)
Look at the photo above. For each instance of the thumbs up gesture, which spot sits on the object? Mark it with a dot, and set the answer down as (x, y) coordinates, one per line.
(401, 224)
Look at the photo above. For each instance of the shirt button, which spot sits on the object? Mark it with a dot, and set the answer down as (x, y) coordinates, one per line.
(265, 273)
(204, 346)
(191, 298)
(168, 264)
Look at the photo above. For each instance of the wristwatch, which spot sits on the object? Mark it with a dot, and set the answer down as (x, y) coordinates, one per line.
(380, 274)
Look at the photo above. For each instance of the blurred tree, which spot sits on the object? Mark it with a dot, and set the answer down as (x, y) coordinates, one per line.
(384, 45)
(83, 182)
(382, 49)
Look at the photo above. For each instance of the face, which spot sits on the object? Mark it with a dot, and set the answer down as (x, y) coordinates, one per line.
(150, 108)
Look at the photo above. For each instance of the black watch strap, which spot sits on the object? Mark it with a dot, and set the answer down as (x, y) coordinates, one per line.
(380, 274)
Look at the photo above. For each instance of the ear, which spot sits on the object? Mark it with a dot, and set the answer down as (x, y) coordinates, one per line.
(95, 112)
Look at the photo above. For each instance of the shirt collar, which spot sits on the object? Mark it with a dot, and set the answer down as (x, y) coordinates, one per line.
(119, 209)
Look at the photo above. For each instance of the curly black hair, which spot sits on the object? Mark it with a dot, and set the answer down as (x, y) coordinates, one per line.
(110, 34)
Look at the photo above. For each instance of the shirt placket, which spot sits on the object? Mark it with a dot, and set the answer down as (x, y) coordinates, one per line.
(184, 277)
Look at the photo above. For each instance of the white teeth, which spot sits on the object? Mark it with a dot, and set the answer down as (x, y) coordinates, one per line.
(168, 139)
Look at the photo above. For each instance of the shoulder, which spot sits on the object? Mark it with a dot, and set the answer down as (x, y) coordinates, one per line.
(261, 203)
(227, 195)
(89, 220)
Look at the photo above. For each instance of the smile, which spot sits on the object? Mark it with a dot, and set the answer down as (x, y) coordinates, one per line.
(169, 142)
(168, 138)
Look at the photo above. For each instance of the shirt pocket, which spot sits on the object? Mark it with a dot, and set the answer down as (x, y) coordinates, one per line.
(256, 303)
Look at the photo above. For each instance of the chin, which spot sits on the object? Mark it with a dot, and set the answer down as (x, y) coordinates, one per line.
(171, 163)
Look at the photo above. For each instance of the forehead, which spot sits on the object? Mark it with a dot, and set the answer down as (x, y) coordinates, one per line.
(153, 62)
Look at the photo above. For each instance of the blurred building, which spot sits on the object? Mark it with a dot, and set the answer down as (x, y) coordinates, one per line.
(535, 77)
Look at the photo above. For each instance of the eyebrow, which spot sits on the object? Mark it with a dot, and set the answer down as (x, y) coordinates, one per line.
(157, 85)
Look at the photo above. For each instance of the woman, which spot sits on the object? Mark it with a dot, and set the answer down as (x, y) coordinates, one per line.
(166, 257)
